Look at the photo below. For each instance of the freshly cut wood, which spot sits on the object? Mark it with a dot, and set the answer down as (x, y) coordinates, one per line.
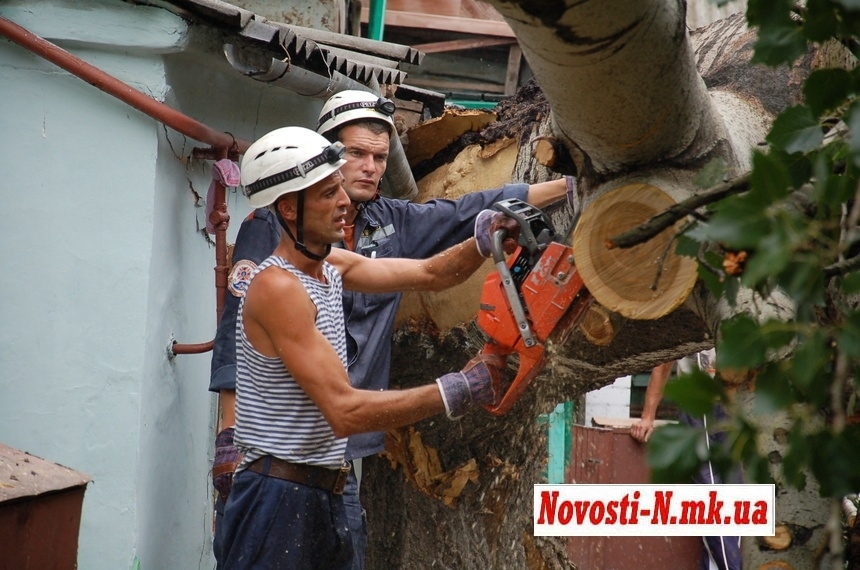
(475, 168)
(545, 151)
(646, 281)
(597, 326)
(428, 138)
(781, 539)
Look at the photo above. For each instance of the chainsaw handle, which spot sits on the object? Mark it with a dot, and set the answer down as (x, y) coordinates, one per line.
(510, 288)
(496, 248)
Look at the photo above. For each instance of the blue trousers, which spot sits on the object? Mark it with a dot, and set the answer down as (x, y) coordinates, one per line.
(355, 514)
(719, 552)
(270, 523)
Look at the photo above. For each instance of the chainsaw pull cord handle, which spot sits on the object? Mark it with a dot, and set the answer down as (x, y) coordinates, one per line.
(510, 289)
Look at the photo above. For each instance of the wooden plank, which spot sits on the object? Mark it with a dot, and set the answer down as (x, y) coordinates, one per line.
(448, 23)
(512, 76)
(445, 85)
(460, 45)
(437, 7)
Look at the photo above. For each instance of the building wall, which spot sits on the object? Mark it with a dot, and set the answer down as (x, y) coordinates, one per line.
(105, 264)
(612, 401)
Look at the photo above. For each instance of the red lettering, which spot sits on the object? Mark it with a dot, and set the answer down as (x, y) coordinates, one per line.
(661, 507)
(565, 512)
(611, 514)
(596, 512)
(547, 507)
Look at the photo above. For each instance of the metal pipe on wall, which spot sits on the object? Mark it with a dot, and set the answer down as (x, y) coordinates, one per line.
(224, 144)
(399, 183)
(376, 19)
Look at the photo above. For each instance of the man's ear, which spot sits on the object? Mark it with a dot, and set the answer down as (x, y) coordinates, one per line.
(286, 206)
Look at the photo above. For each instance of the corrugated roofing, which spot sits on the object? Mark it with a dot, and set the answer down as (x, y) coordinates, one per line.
(319, 51)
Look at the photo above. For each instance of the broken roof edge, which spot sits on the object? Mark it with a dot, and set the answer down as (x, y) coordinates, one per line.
(360, 59)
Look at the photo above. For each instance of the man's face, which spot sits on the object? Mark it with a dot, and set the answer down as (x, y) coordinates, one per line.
(366, 159)
(324, 211)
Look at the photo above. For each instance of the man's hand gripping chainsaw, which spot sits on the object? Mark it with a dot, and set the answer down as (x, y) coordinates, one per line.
(533, 297)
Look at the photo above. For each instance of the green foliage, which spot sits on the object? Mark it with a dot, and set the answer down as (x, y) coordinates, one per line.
(795, 220)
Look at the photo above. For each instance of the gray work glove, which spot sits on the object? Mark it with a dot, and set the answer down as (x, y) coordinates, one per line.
(487, 223)
(478, 383)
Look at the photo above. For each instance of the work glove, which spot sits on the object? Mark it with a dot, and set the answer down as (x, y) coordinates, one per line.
(570, 183)
(478, 383)
(487, 223)
(227, 457)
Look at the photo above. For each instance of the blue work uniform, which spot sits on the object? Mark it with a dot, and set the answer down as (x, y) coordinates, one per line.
(384, 227)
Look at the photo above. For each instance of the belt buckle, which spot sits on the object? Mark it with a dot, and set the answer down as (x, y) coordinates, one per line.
(340, 480)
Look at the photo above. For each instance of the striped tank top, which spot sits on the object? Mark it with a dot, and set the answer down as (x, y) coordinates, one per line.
(274, 416)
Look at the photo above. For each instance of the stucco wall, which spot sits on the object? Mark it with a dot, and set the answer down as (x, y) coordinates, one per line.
(104, 265)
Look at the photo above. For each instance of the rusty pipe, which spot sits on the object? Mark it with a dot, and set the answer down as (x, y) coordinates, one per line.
(224, 144)
(198, 348)
(122, 91)
(220, 219)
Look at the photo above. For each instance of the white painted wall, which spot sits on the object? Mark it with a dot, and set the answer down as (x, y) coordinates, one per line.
(703, 12)
(103, 264)
(612, 401)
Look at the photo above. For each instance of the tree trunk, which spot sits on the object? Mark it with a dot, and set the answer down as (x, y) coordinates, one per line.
(627, 98)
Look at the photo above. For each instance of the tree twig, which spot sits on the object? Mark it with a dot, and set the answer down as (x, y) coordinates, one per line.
(667, 218)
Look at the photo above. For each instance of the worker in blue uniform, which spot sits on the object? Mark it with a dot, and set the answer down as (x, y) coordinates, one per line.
(376, 227)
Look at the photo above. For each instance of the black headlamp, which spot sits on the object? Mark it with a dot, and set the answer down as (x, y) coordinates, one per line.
(329, 155)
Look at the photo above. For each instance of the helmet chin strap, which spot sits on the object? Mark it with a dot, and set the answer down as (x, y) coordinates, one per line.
(297, 240)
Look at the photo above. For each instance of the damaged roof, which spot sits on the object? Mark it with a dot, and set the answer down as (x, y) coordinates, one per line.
(319, 51)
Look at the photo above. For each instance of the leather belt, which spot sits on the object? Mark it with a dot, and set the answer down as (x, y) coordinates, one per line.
(332, 480)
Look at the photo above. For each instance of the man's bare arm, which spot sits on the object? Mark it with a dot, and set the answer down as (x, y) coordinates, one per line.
(546, 193)
(443, 270)
(279, 319)
(643, 429)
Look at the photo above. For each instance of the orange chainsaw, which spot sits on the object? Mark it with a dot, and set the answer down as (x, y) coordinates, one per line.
(534, 296)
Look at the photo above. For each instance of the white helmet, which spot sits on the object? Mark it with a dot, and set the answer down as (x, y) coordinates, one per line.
(351, 105)
(287, 160)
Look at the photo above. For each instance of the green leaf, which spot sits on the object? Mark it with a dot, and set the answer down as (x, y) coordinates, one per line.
(850, 5)
(736, 224)
(772, 390)
(853, 122)
(770, 181)
(695, 392)
(851, 283)
(826, 89)
(795, 462)
(796, 130)
(687, 246)
(821, 20)
(835, 461)
(772, 255)
(777, 334)
(803, 279)
(742, 344)
(780, 40)
(808, 360)
(848, 337)
(674, 453)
